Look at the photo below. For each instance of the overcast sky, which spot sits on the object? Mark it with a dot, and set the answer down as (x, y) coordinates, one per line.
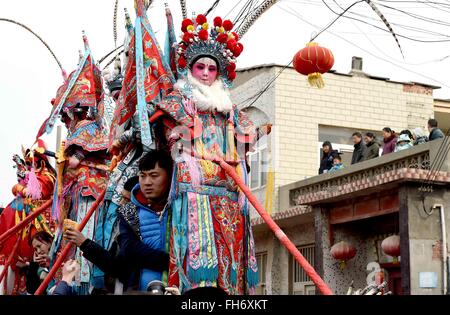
(29, 77)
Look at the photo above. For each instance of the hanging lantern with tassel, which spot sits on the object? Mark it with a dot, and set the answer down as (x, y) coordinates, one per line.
(343, 252)
(313, 61)
(391, 247)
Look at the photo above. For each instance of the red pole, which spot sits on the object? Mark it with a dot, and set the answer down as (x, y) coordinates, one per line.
(320, 284)
(10, 258)
(25, 221)
(68, 246)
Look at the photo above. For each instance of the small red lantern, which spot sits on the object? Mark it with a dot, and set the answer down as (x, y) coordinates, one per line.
(343, 251)
(391, 246)
(312, 61)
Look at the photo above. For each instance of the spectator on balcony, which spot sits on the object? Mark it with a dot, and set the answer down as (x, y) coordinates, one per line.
(326, 163)
(389, 139)
(418, 136)
(372, 147)
(406, 132)
(360, 147)
(403, 143)
(337, 164)
(435, 132)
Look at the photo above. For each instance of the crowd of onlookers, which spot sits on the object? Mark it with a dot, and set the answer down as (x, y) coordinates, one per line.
(368, 147)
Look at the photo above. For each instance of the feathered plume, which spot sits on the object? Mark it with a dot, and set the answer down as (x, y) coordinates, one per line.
(34, 188)
(378, 12)
(183, 8)
(266, 5)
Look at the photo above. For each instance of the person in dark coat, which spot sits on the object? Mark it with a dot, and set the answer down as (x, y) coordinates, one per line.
(359, 146)
(419, 136)
(372, 147)
(143, 223)
(435, 132)
(38, 268)
(389, 140)
(326, 163)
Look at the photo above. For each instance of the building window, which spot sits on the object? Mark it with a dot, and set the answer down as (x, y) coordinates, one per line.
(261, 259)
(301, 282)
(259, 165)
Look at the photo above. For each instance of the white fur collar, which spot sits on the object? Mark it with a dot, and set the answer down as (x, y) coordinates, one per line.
(207, 98)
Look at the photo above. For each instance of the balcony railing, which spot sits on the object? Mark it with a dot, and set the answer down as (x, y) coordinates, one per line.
(409, 165)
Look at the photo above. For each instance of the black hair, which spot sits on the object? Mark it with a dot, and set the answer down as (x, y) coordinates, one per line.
(370, 135)
(130, 183)
(338, 157)
(327, 143)
(43, 237)
(387, 129)
(358, 134)
(432, 123)
(407, 132)
(204, 56)
(149, 160)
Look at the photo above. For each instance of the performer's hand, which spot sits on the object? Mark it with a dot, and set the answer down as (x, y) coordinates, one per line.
(42, 259)
(116, 147)
(22, 264)
(172, 291)
(266, 129)
(75, 236)
(70, 270)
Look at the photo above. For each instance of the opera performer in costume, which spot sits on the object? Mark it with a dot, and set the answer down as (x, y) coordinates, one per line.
(82, 161)
(36, 179)
(211, 236)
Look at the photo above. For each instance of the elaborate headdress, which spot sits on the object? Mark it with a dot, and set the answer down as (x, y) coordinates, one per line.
(82, 90)
(217, 41)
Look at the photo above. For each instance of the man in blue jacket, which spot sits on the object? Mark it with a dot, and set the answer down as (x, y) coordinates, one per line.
(143, 224)
(144, 221)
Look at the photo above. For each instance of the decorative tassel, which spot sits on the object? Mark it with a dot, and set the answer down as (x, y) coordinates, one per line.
(315, 79)
(34, 187)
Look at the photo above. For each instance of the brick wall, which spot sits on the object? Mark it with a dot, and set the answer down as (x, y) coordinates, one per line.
(297, 110)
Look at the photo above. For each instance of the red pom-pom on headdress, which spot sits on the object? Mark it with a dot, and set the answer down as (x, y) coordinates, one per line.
(237, 49)
(185, 24)
(231, 67)
(227, 25)
(231, 43)
(231, 75)
(182, 62)
(203, 34)
(200, 19)
(222, 38)
(187, 37)
(235, 35)
(218, 21)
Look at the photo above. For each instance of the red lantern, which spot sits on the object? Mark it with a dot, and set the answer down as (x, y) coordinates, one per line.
(391, 246)
(312, 61)
(343, 251)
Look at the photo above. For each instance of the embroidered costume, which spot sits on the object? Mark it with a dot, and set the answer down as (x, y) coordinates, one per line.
(36, 178)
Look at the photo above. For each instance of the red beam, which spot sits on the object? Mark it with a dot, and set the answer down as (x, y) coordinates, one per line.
(68, 246)
(10, 259)
(320, 284)
(25, 221)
